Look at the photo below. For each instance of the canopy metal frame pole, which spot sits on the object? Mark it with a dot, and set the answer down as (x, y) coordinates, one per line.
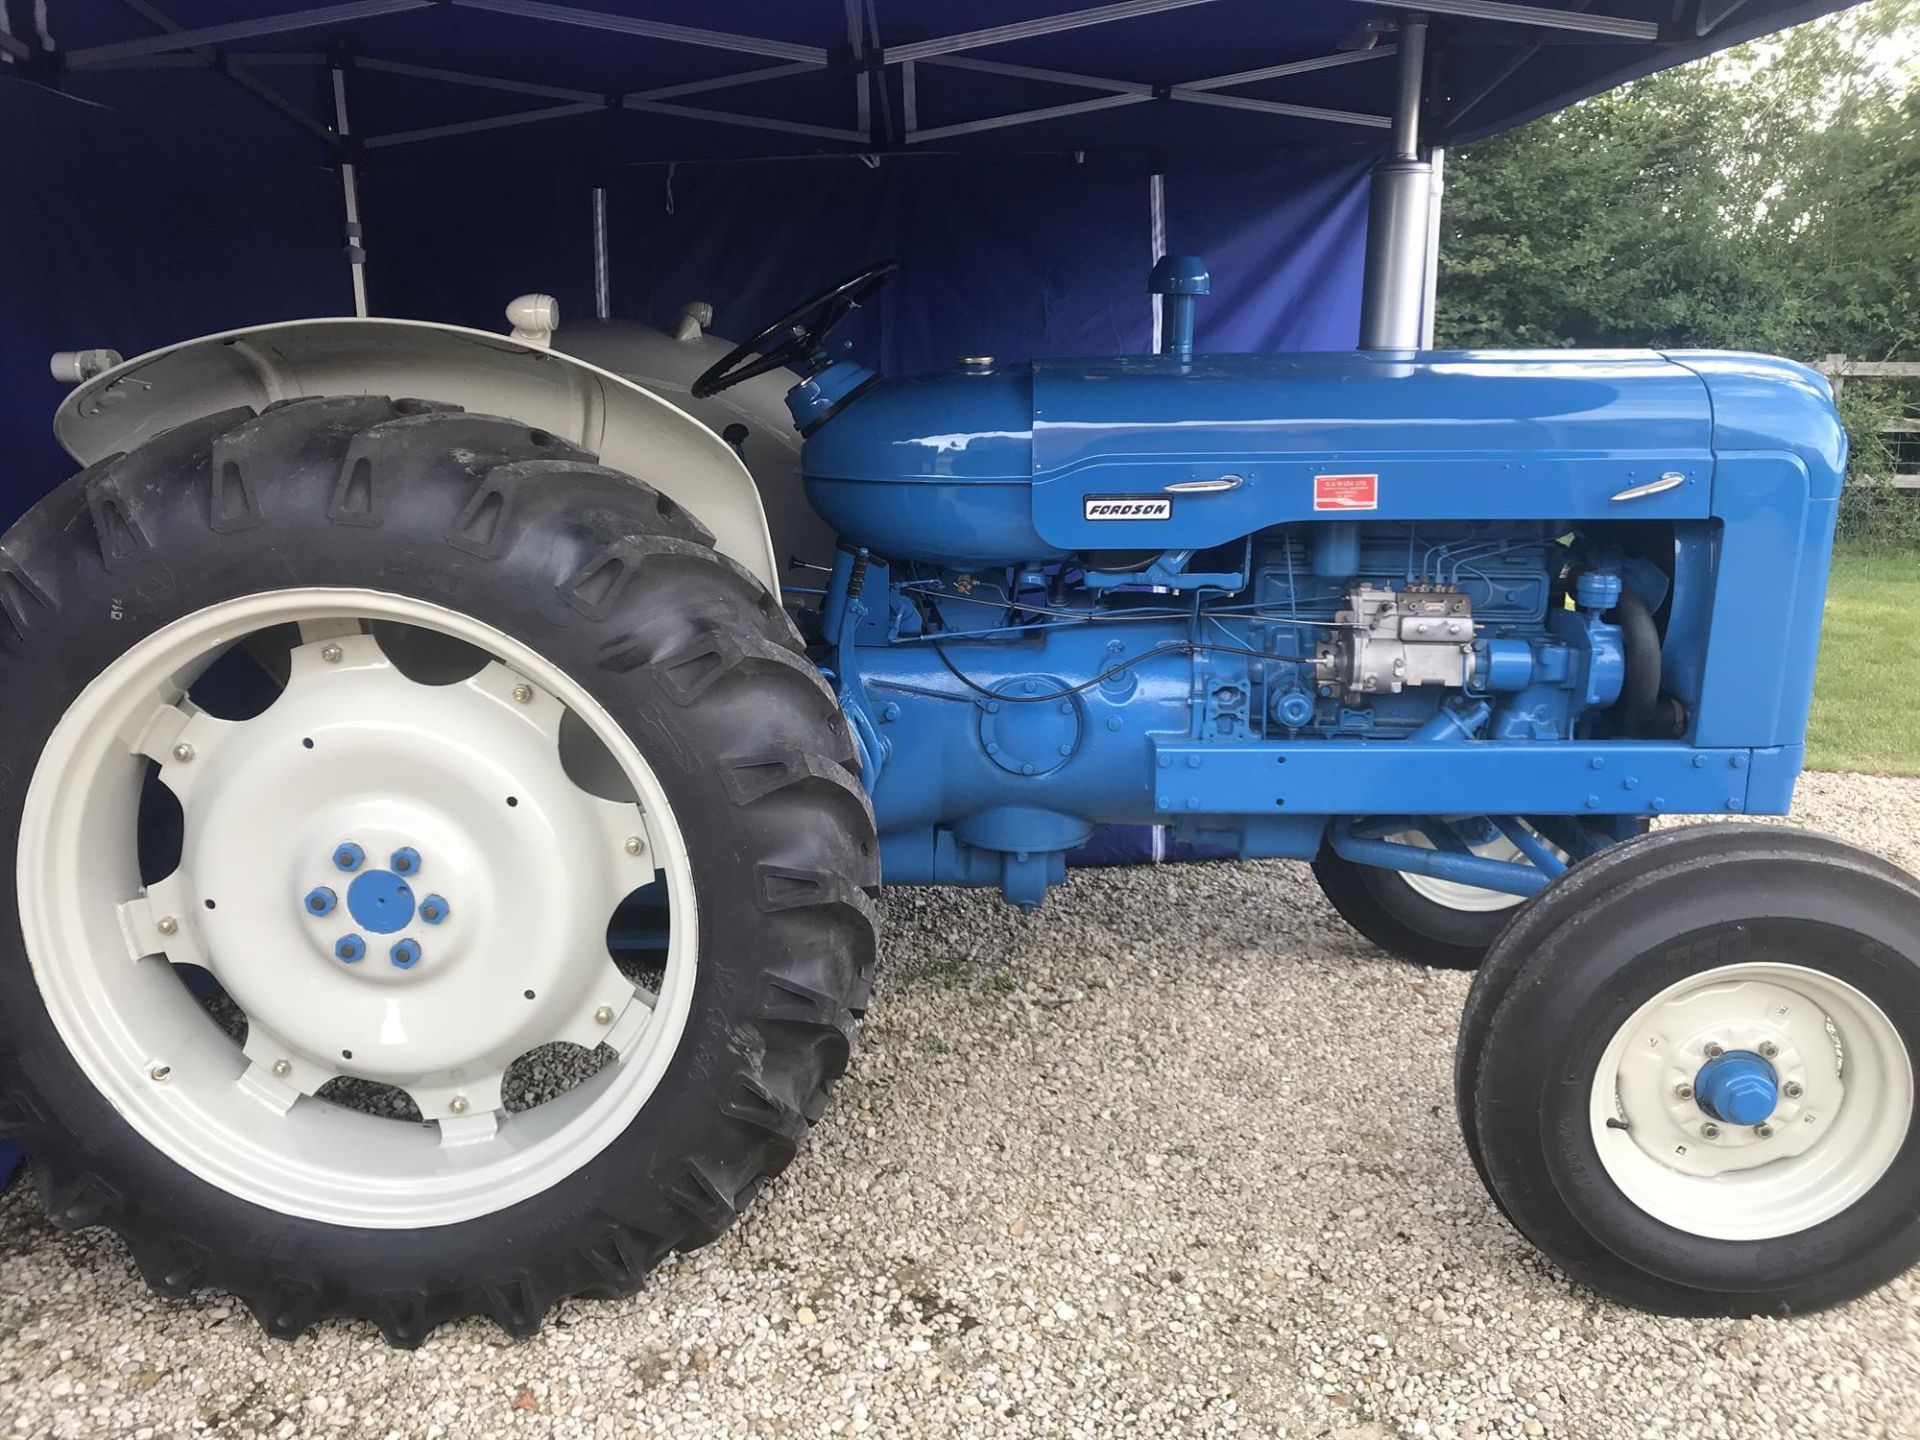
(814, 55)
(869, 58)
(1028, 29)
(862, 88)
(1399, 213)
(349, 190)
(1137, 92)
(1614, 27)
(582, 102)
(602, 282)
(232, 69)
(253, 29)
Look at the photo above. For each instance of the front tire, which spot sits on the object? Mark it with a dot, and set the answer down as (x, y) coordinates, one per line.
(1545, 911)
(1696, 1091)
(327, 536)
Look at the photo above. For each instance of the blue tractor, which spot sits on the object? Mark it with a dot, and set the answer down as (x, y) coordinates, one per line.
(361, 746)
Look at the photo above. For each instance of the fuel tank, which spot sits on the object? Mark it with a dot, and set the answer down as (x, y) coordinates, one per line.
(932, 467)
(994, 465)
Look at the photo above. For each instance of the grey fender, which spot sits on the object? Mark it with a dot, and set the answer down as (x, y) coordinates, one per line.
(630, 428)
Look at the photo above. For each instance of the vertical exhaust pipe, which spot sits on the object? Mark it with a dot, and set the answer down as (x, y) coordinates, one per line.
(1399, 213)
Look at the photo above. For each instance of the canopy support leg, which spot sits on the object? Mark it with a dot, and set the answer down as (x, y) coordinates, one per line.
(1399, 214)
(602, 289)
(349, 191)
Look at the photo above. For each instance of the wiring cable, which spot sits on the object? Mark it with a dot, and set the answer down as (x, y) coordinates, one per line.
(1109, 617)
(1171, 647)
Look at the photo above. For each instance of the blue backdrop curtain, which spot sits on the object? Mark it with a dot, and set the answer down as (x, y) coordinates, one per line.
(205, 217)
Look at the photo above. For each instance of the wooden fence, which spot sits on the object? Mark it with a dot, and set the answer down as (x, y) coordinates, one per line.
(1903, 436)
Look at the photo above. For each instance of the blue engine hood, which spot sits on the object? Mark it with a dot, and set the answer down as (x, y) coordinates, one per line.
(1000, 467)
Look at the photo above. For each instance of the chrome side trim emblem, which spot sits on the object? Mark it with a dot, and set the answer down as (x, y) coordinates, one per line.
(1653, 487)
(1205, 487)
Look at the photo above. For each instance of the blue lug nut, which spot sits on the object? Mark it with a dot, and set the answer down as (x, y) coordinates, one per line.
(348, 856)
(320, 901)
(434, 909)
(405, 861)
(405, 954)
(350, 948)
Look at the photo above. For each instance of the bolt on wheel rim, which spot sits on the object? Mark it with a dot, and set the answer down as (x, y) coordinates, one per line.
(1677, 1099)
(316, 837)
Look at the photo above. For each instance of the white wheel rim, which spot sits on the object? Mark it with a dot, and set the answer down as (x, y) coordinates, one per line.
(518, 959)
(1844, 1102)
(1472, 899)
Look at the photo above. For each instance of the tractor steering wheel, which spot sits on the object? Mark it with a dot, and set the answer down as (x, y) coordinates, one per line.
(795, 338)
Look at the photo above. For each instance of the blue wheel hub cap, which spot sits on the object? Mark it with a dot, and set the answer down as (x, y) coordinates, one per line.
(380, 901)
(1738, 1087)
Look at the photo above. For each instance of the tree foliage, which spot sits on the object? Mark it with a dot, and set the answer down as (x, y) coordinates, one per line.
(1766, 199)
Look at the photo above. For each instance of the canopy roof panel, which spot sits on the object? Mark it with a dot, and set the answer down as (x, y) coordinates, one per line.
(686, 80)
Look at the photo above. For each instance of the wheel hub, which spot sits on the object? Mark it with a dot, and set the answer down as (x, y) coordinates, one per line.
(1738, 1087)
(1751, 1100)
(381, 901)
(459, 786)
(1709, 1057)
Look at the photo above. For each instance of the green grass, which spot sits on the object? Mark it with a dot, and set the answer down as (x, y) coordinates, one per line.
(1866, 700)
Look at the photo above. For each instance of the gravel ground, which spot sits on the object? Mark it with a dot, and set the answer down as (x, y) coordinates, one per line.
(1176, 1155)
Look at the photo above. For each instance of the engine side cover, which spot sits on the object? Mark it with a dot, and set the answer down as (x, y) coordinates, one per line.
(1022, 463)
(1241, 442)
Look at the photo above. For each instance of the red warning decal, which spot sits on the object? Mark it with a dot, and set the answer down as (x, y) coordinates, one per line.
(1346, 492)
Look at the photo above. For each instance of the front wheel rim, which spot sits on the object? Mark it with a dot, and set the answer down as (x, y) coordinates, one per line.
(433, 824)
(1838, 1079)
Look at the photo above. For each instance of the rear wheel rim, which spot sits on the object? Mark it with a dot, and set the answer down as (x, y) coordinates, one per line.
(1844, 1092)
(479, 896)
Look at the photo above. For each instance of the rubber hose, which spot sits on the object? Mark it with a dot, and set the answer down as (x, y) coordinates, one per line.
(1640, 690)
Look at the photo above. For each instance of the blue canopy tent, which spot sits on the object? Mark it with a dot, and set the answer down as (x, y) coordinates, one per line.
(177, 166)
(173, 167)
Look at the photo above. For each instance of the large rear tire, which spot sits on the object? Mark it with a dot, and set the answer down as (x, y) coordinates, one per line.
(534, 684)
